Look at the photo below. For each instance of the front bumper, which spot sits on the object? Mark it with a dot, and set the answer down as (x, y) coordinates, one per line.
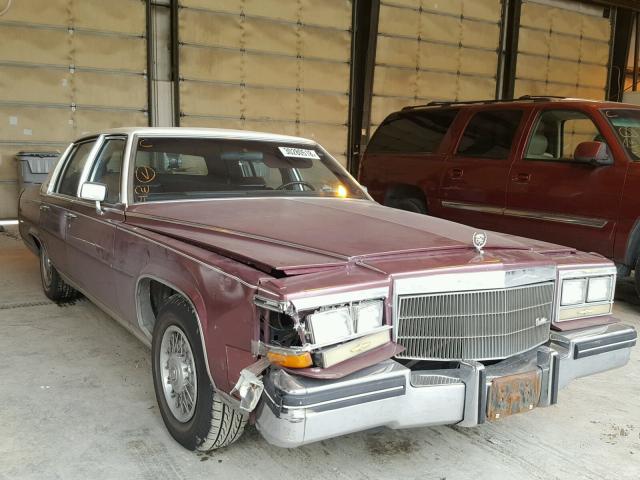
(295, 410)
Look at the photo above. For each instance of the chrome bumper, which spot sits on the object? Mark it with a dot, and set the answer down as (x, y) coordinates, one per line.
(295, 410)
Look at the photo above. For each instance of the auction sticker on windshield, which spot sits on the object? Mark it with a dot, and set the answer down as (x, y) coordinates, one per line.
(298, 153)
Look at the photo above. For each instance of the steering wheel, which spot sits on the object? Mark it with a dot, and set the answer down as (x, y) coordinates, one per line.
(296, 182)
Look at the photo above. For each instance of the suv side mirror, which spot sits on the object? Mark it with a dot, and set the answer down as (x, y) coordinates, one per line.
(94, 192)
(595, 153)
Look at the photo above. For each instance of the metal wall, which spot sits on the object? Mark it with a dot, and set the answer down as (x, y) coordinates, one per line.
(563, 49)
(281, 67)
(67, 67)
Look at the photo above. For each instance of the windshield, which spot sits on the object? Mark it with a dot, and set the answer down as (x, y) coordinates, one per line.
(626, 125)
(186, 167)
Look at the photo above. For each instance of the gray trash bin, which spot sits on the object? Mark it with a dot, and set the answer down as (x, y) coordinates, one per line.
(34, 167)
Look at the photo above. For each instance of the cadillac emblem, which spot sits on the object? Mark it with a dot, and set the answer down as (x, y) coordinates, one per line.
(479, 240)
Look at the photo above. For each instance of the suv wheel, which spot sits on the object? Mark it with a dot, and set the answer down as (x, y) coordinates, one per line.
(410, 204)
(192, 411)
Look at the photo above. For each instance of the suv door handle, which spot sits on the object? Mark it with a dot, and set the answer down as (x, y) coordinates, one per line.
(70, 215)
(456, 173)
(522, 178)
(44, 208)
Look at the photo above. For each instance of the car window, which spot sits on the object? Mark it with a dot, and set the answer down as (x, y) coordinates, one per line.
(490, 134)
(176, 168)
(626, 126)
(558, 133)
(70, 177)
(107, 168)
(412, 132)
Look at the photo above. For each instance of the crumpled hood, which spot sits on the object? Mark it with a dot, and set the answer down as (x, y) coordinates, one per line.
(293, 234)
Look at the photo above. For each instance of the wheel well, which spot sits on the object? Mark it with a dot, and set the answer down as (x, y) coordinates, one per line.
(150, 295)
(403, 191)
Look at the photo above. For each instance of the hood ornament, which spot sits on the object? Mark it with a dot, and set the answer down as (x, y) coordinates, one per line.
(479, 240)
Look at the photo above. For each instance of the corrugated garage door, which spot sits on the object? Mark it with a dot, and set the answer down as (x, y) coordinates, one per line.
(249, 64)
(67, 67)
(434, 50)
(563, 49)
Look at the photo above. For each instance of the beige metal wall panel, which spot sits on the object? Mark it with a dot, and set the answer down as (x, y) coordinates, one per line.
(122, 16)
(109, 52)
(49, 12)
(333, 138)
(210, 64)
(33, 84)
(209, 99)
(206, 28)
(281, 67)
(35, 124)
(110, 90)
(430, 49)
(271, 37)
(34, 45)
(261, 103)
(564, 44)
(90, 121)
(8, 200)
(325, 44)
(328, 76)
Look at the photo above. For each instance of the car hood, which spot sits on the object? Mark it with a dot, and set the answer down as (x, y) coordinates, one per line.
(300, 235)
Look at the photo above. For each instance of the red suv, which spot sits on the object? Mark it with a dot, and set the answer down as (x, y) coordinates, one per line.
(562, 170)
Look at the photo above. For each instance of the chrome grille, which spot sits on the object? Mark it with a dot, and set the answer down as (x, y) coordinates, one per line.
(476, 325)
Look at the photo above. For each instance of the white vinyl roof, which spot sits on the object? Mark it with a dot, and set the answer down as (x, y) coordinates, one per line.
(205, 133)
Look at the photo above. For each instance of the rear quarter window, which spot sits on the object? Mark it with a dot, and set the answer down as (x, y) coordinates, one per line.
(412, 132)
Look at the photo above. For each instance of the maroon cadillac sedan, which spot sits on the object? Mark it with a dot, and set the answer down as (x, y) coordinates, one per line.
(273, 290)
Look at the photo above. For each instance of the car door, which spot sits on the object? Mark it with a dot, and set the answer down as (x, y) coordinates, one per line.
(91, 234)
(474, 182)
(555, 198)
(55, 207)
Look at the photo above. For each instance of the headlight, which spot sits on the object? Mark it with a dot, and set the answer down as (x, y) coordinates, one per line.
(599, 289)
(339, 323)
(586, 293)
(368, 316)
(573, 291)
(328, 325)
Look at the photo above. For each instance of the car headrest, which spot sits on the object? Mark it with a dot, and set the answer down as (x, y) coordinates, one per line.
(538, 145)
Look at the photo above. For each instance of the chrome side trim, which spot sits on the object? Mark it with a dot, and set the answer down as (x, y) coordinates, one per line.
(532, 214)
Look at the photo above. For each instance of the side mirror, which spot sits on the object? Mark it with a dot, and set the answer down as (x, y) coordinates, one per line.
(94, 192)
(595, 153)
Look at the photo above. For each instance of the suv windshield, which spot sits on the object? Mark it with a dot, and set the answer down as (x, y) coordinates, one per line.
(178, 168)
(626, 125)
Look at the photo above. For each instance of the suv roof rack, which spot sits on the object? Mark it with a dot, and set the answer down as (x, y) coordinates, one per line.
(523, 98)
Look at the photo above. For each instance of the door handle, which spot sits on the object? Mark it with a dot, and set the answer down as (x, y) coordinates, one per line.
(70, 215)
(44, 208)
(522, 178)
(456, 173)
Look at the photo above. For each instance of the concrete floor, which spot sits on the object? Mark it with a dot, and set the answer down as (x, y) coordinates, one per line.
(76, 401)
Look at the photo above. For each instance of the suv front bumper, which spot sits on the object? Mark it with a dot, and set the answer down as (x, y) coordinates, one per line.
(296, 410)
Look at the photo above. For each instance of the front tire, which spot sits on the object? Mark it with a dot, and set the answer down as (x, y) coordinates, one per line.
(193, 412)
(410, 204)
(55, 288)
(636, 274)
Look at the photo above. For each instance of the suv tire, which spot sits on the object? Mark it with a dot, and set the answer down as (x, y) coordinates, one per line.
(410, 204)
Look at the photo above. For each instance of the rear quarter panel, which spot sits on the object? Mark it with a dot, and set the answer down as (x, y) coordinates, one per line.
(29, 215)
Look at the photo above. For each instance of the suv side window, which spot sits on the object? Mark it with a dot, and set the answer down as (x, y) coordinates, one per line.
(70, 177)
(412, 131)
(558, 133)
(107, 168)
(489, 134)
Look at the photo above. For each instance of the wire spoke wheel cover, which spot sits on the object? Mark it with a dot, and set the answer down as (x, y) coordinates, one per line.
(178, 374)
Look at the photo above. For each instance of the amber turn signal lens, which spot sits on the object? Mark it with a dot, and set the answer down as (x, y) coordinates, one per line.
(301, 360)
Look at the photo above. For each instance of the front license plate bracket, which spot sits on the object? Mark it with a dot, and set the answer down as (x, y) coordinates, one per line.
(513, 394)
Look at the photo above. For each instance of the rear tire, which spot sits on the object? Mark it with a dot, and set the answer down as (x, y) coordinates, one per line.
(410, 204)
(55, 288)
(636, 274)
(193, 412)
